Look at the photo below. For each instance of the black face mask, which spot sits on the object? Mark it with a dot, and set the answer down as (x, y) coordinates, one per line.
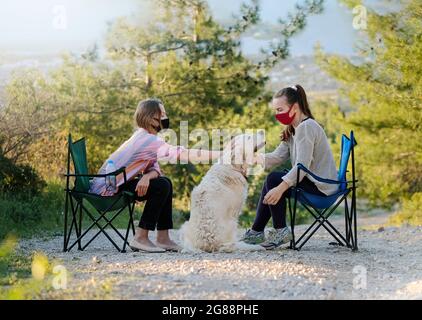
(165, 124)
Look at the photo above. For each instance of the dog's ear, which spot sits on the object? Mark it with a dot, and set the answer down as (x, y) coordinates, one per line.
(250, 149)
(237, 150)
(228, 148)
(239, 155)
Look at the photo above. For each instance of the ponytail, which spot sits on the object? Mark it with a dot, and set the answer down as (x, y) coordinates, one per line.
(294, 94)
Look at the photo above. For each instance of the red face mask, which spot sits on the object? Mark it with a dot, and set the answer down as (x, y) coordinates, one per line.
(284, 117)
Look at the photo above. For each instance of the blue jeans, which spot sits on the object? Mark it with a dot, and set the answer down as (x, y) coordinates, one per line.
(278, 211)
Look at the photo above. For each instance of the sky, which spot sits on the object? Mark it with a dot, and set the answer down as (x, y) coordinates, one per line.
(28, 26)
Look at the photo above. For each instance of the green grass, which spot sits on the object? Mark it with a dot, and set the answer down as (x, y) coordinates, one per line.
(16, 281)
(410, 212)
(25, 277)
(25, 216)
(13, 266)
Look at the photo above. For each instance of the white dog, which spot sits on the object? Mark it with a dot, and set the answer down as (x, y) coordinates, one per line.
(217, 202)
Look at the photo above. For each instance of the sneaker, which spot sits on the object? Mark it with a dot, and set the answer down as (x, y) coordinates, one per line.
(253, 237)
(277, 237)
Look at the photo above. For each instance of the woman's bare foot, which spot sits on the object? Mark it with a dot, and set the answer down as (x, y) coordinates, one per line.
(141, 237)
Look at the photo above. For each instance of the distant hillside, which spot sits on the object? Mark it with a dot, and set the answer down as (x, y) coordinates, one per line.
(296, 70)
(302, 70)
(11, 62)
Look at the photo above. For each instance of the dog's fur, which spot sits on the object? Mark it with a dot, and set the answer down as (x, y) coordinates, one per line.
(216, 204)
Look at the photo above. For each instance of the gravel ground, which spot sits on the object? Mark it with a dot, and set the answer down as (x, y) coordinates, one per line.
(388, 265)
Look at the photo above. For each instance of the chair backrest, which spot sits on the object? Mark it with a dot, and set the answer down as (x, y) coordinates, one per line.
(77, 150)
(347, 144)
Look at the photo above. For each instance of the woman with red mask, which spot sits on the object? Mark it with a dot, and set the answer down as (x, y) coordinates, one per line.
(303, 141)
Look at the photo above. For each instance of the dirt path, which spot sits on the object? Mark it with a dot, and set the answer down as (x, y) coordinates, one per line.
(388, 265)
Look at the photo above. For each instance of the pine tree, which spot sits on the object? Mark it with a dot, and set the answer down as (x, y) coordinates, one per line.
(385, 91)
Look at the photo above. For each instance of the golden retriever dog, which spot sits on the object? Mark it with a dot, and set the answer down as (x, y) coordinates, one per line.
(217, 201)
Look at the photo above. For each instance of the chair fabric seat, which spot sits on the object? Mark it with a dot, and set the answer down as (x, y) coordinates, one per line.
(317, 201)
(110, 203)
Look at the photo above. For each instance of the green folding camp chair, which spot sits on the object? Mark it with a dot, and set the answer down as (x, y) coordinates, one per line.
(77, 196)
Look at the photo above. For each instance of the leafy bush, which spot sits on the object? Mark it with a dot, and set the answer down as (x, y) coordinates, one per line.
(411, 212)
(19, 179)
(27, 203)
(24, 216)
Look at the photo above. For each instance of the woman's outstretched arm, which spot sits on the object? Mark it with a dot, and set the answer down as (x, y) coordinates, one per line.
(268, 160)
(198, 155)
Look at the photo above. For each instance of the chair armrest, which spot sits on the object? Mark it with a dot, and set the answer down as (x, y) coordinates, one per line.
(115, 173)
(313, 175)
(84, 175)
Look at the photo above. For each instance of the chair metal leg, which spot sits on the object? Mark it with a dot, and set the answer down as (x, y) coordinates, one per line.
(351, 236)
(113, 227)
(95, 222)
(355, 244)
(70, 228)
(294, 220)
(69, 233)
(321, 224)
(66, 209)
(80, 224)
(68, 197)
(292, 225)
(321, 218)
(129, 225)
(346, 221)
(133, 216)
(74, 221)
(102, 228)
(306, 231)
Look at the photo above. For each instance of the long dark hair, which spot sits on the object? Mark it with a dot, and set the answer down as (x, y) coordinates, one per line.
(294, 95)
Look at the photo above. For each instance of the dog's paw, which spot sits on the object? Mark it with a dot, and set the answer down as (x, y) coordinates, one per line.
(226, 249)
(191, 251)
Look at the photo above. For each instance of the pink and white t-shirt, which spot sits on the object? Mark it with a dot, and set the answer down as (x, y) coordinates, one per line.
(140, 155)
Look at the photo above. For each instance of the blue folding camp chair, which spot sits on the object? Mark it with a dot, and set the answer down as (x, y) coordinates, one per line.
(322, 207)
